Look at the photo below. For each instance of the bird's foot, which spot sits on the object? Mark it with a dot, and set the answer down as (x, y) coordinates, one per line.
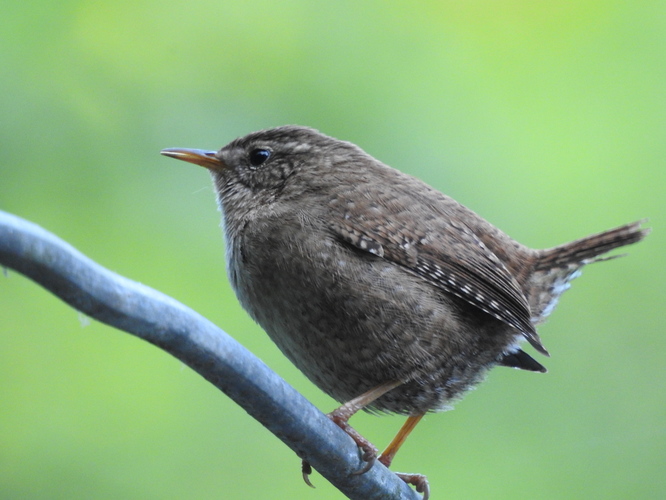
(419, 481)
(340, 417)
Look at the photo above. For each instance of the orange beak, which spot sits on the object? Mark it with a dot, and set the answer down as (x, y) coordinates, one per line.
(201, 157)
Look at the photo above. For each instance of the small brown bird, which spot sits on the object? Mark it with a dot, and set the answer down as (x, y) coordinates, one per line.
(387, 294)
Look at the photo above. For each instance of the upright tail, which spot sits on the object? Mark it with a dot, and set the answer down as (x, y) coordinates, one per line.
(556, 267)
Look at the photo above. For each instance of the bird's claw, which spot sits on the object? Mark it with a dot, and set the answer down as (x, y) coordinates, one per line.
(419, 481)
(369, 456)
(306, 469)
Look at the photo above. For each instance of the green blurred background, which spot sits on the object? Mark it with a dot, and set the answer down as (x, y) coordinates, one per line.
(547, 118)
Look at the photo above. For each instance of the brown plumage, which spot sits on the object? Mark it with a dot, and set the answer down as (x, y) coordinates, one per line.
(367, 278)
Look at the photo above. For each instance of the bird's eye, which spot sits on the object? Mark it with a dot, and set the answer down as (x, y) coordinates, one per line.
(259, 156)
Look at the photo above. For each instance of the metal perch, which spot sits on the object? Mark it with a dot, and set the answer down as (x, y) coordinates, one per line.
(168, 324)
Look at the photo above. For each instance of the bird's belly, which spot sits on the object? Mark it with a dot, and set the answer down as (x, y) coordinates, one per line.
(350, 332)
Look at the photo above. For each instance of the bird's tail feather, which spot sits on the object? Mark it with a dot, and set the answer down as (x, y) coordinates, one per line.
(556, 267)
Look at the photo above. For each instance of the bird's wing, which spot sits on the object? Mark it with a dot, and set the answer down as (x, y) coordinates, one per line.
(445, 253)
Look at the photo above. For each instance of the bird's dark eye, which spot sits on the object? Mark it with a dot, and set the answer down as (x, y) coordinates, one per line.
(259, 156)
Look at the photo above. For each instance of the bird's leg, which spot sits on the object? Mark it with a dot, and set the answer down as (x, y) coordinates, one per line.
(419, 481)
(340, 416)
(389, 453)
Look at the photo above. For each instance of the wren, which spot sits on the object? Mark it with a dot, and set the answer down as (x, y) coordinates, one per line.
(387, 294)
